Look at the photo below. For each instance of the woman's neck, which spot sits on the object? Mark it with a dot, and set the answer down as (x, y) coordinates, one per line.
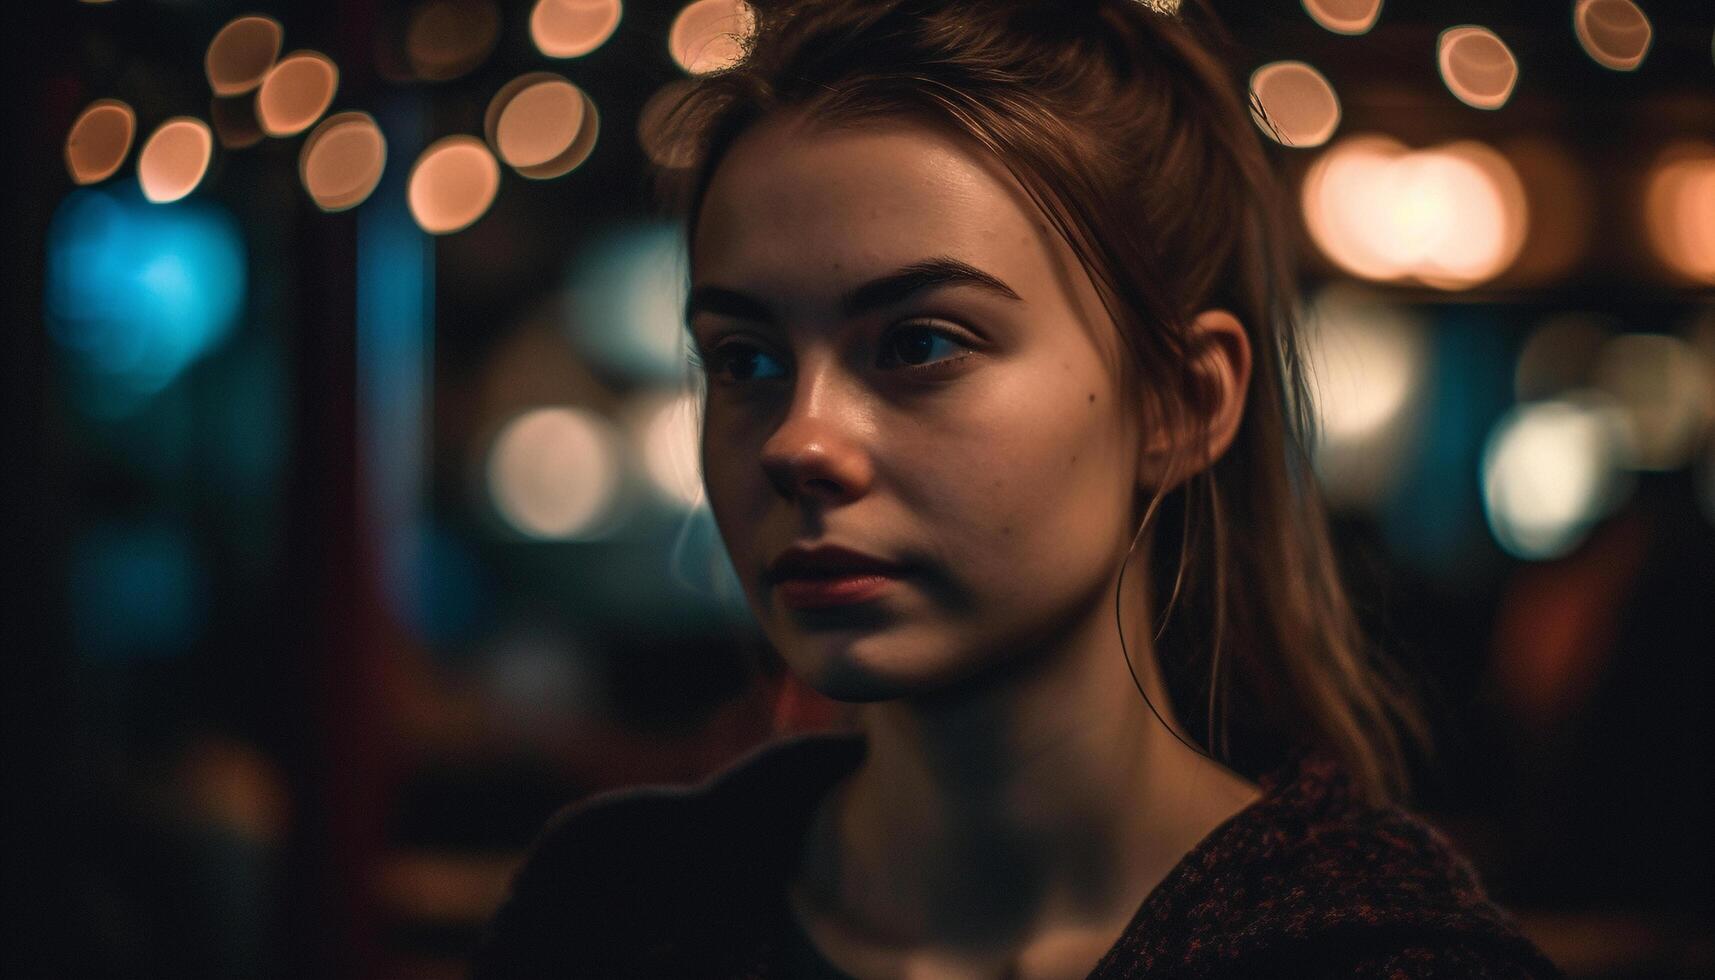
(1041, 795)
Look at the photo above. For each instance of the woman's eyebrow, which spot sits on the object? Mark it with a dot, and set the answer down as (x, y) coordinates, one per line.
(902, 284)
(895, 287)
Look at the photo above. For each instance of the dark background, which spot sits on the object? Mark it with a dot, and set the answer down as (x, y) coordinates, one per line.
(261, 720)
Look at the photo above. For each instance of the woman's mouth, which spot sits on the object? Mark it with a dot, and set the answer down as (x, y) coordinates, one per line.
(823, 592)
(825, 575)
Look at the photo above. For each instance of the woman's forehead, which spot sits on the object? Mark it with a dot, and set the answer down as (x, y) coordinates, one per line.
(795, 199)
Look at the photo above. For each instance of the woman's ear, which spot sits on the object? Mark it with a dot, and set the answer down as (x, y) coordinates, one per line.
(1218, 379)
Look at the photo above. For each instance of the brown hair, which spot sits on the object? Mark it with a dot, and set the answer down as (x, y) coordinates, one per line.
(1122, 123)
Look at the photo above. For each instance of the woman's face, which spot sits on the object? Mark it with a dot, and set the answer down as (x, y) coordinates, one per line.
(903, 360)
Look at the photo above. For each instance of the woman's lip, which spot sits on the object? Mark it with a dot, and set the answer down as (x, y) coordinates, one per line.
(829, 592)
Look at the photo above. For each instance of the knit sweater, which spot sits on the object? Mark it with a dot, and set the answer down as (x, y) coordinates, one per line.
(690, 882)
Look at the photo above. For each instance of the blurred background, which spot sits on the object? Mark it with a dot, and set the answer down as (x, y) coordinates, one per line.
(353, 522)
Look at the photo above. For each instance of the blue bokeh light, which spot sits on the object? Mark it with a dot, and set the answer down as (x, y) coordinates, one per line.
(137, 592)
(627, 302)
(137, 292)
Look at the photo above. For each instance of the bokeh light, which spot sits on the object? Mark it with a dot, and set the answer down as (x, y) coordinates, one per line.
(664, 130)
(1615, 33)
(1344, 16)
(1450, 216)
(136, 591)
(342, 160)
(542, 125)
(1298, 101)
(710, 35)
(99, 140)
(667, 434)
(295, 92)
(541, 677)
(445, 39)
(174, 159)
(447, 593)
(572, 28)
(229, 784)
(135, 293)
(1679, 209)
(241, 53)
(1550, 470)
(1367, 360)
(1663, 392)
(452, 184)
(626, 302)
(1477, 66)
(554, 472)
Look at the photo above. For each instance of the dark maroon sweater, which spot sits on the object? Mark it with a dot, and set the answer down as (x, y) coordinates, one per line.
(690, 882)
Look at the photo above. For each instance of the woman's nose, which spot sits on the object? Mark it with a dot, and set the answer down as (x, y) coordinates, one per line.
(817, 451)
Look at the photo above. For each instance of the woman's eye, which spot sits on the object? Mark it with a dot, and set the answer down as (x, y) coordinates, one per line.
(742, 362)
(920, 346)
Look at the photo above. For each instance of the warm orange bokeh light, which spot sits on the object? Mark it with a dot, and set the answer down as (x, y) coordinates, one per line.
(241, 54)
(295, 93)
(1477, 66)
(542, 125)
(1679, 210)
(447, 38)
(99, 140)
(174, 159)
(342, 161)
(1344, 16)
(1450, 217)
(709, 35)
(663, 131)
(572, 28)
(452, 184)
(1613, 32)
(1298, 101)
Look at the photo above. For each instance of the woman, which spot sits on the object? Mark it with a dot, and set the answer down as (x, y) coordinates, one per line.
(1000, 434)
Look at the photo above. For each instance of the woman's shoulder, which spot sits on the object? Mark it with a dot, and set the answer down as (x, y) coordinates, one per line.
(1313, 877)
(626, 875)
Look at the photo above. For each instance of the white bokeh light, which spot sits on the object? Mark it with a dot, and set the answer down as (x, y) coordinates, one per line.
(1663, 391)
(1451, 216)
(1366, 361)
(555, 472)
(667, 433)
(1550, 471)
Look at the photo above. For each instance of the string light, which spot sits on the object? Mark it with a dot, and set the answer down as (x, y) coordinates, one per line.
(99, 140)
(342, 161)
(1344, 16)
(1300, 106)
(295, 93)
(452, 184)
(542, 125)
(1477, 66)
(709, 35)
(174, 159)
(1614, 33)
(241, 53)
(572, 28)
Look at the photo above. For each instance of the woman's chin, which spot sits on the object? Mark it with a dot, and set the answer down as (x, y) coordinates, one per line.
(868, 669)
